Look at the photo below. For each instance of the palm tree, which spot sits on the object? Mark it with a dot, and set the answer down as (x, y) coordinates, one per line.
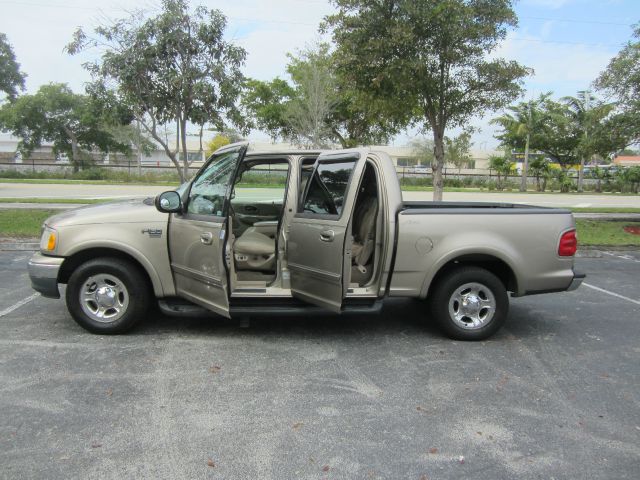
(586, 112)
(519, 128)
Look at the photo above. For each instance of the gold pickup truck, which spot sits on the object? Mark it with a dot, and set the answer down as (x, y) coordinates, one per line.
(298, 233)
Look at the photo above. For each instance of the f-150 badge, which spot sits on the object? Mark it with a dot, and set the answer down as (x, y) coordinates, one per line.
(153, 232)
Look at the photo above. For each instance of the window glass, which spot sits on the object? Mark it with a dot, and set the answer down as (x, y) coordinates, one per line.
(328, 188)
(306, 169)
(208, 191)
(271, 177)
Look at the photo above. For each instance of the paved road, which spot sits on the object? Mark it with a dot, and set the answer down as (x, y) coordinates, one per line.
(24, 190)
(556, 394)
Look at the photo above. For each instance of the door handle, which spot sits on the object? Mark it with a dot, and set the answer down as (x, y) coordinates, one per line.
(206, 238)
(327, 236)
(250, 208)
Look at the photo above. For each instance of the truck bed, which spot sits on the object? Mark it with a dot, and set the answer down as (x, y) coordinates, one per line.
(453, 208)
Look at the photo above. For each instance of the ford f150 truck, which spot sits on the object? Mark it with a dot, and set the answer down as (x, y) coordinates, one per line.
(331, 234)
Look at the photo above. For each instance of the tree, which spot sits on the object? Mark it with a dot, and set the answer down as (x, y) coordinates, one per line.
(540, 168)
(267, 103)
(621, 82)
(308, 113)
(425, 62)
(173, 67)
(72, 122)
(422, 151)
(11, 78)
(587, 113)
(456, 150)
(317, 100)
(503, 166)
(560, 136)
(519, 127)
(219, 141)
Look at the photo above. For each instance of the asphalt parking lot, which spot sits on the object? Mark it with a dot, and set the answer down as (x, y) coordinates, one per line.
(556, 394)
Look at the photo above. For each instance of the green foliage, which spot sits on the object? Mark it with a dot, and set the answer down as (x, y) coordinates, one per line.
(540, 168)
(23, 222)
(96, 174)
(456, 150)
(503, 166)
(266, 103)
(563, 180)
(215, 143)
(422, 150)
(426, 62)
(70, 121)
(559, 135)
(621, 80)
(318, 107)
(173, 67)
(11, 78)
(594, 232)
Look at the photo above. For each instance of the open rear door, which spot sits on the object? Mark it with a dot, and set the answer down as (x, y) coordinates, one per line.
(317, 247)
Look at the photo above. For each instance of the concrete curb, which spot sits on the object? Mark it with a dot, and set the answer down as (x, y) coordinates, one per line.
(19, 246)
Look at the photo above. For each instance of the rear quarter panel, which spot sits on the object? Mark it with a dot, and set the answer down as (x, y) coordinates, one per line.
(525, 240)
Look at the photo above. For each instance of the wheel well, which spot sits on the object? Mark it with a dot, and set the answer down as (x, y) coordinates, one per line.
(493, 264)
(77, 259)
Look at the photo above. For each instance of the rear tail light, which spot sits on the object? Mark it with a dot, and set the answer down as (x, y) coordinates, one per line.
(568, 244)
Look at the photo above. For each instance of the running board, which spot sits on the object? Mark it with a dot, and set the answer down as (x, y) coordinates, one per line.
(178, 307)
(294, 307)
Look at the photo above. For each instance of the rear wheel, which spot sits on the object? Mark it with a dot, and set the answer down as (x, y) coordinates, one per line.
(469, 303)
(107, 295)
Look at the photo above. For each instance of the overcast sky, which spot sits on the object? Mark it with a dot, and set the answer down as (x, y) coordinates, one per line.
(566, 42)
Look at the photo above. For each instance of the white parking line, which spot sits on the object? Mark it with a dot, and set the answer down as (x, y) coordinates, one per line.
(611, 293)
(624, 257)
(17, 305)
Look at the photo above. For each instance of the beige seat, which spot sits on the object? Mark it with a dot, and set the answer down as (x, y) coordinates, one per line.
(364, 221)
(255, 251)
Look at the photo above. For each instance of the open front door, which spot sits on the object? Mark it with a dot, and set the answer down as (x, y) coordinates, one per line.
(317, 247)
(197, 236)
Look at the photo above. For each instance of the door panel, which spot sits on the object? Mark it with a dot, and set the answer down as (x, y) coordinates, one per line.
(197, 236)
(196, 261)
(316, 250)
(317, 244)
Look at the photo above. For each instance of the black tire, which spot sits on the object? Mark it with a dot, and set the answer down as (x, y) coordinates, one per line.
(487, 298)
(123, 284)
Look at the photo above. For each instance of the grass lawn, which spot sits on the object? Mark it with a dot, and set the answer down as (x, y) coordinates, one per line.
(66, 181)
(56, 200)
(22, 223)
(602, 232)
(605, 210)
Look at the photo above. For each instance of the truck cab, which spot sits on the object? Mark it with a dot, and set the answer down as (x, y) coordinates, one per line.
(321, 233)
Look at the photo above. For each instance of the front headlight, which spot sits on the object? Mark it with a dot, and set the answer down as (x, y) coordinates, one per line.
(49, 240)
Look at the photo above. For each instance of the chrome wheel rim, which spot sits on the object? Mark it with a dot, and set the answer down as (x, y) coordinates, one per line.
(104, 298)
(472, 306)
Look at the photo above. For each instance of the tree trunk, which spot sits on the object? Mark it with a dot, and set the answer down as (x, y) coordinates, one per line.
(75, 151)
(153, 131)
(438, 164)
(183, 139)
(581, 174)
(138, 142)
(525, 166)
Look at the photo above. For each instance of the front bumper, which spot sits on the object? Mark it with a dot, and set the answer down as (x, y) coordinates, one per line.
(576, 282)
(43, 272)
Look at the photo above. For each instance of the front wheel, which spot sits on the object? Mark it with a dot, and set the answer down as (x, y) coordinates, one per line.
(469, 303)
(107, 295)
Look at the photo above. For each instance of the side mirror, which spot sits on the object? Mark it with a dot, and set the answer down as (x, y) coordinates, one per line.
(169, 202)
